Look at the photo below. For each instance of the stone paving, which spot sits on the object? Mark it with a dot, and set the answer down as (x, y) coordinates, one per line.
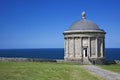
(108, 75)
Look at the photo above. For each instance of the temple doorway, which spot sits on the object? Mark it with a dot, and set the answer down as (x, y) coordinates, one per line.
(84, 52)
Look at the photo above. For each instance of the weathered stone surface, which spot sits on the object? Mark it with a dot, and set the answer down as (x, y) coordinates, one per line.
(84, 40)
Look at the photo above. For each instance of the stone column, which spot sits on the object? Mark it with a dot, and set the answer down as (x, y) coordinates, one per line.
(65, 47)
(81, 46)
(68, 45)
(96, 47)
(89, 47)
(73, 46)
(101, 48)
(66, 53)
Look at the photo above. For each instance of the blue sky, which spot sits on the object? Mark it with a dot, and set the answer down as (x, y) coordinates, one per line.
(40, 23)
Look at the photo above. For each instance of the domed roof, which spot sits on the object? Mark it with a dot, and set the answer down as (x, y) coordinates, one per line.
(84, 24)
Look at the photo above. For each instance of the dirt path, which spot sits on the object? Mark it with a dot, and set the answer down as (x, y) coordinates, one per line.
(108, 75)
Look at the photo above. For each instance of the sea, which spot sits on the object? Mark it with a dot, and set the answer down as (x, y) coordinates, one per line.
(51, 53)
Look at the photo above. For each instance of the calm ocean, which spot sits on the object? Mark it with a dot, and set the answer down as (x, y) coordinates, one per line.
(51, 53)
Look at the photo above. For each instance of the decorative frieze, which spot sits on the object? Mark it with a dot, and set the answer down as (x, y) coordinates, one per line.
(84, 35)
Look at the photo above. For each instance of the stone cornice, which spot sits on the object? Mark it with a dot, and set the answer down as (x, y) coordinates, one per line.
(83, 31)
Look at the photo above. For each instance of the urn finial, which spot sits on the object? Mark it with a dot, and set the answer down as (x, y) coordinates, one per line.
(83, 15)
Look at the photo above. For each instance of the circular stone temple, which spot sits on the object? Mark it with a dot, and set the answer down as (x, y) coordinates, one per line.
(84, 42)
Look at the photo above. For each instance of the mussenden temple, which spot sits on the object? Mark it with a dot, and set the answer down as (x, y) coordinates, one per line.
(84, 42)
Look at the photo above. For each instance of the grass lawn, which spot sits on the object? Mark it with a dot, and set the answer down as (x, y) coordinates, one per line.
(44, 71)
(112, 67)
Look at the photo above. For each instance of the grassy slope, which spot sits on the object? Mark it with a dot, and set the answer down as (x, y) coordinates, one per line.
(112, 67)
(44, 71)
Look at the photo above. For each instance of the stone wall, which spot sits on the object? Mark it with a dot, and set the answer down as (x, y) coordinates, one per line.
(101, 61)
(73, 60)
(97, 60)
(117, 61)
(75, 42)
(92, 60)
(2, 59)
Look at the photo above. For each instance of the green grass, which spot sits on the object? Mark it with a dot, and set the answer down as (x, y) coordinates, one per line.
(44, 71)
(111, 67)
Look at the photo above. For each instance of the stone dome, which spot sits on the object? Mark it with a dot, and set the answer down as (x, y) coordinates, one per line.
(84, 24)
